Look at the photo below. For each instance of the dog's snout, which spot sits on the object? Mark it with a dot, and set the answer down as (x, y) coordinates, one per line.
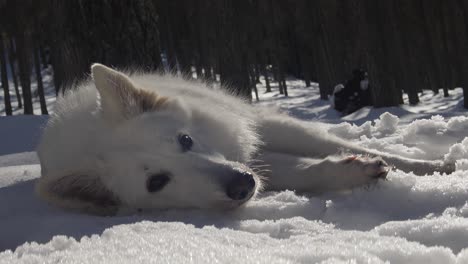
(241, 186)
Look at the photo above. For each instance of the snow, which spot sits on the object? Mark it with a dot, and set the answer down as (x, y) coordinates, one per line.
(20, 133)
(405, 219)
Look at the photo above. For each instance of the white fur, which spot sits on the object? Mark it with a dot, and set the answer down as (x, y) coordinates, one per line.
(100, 146)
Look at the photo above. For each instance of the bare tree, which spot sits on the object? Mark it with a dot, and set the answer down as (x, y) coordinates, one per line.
(4, 78)
(40, 85)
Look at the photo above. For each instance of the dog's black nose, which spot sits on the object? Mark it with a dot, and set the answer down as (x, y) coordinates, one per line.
(241, 186)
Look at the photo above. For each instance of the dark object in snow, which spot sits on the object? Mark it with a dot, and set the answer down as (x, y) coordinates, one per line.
(354, 95)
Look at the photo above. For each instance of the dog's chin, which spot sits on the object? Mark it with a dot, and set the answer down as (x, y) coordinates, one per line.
(232, 204)
(220, 205)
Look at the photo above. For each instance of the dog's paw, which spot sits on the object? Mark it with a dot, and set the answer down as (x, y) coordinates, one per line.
(354, 171)
(372, 168)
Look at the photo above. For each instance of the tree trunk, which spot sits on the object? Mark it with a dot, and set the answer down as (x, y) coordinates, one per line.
(11, 60)
(23, 52)
(276, 75)
(257, 73)
(465, 97)
(283, 83)
(446, 93)
(407, 39)
(285, 88)
(460, 21)
(256, 92)
(43, 56)
(267, 80)
(40, 85)
(253, 83)
(4, 77)
(57, 73)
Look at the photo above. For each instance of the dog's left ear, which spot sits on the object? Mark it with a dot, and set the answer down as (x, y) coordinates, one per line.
(79, 191)
(119, 96)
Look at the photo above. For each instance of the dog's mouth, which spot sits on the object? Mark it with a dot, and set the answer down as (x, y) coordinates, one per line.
(232, 205)
(382, 175)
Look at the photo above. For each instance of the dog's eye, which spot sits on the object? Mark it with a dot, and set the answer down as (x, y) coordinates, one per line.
(157, 182)
(185, 142)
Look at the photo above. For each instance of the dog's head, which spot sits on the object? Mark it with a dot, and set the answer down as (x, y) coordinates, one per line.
(170, 151)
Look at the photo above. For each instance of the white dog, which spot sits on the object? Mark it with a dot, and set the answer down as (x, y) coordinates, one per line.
(158, 141)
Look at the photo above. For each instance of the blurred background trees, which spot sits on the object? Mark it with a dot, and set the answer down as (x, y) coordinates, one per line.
(406, 45)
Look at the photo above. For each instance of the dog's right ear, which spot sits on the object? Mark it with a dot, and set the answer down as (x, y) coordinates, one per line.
(119, 97)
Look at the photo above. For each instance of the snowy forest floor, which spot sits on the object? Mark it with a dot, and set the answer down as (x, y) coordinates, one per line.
(406, 219)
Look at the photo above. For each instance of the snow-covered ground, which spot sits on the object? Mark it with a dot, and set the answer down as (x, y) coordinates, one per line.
(406, 219)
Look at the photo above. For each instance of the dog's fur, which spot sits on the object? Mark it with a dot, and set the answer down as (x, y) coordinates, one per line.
(107, 137)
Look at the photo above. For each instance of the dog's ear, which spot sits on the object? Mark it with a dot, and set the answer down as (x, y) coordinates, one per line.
(80, 192)
(119, 96)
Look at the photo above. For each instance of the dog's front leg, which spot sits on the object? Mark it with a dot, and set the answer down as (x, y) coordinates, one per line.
(321, 175)
(284, 134)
